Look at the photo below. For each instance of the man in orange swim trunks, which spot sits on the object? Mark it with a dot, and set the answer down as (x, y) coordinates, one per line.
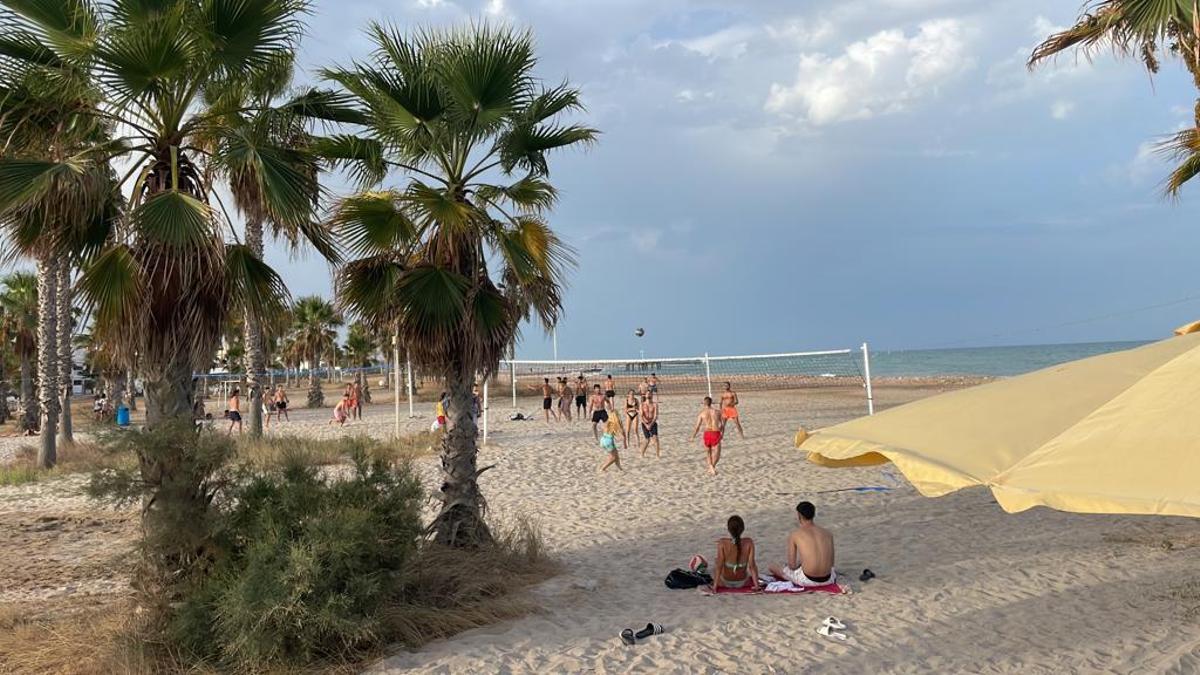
(711, 421)
(729, 408)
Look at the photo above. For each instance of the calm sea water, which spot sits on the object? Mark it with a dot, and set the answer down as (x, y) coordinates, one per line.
(999, 361)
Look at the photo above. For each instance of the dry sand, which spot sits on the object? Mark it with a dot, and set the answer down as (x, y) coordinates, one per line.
(961, 587)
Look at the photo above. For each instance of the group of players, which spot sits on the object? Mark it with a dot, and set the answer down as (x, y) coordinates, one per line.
(640, 412)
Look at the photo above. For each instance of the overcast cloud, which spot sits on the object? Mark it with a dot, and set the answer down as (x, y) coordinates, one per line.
(777, 175)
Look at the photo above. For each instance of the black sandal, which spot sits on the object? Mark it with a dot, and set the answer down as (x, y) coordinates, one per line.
(627, 636)
(650, 629)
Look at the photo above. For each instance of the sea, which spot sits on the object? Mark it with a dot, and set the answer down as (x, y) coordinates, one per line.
(991, 361)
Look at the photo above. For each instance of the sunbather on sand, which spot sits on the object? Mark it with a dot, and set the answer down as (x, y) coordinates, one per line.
(810, 552)
(735, 558)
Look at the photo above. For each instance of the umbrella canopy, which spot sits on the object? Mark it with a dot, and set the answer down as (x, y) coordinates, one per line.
(1116, 433)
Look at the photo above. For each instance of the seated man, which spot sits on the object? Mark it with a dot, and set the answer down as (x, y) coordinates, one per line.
(810, 552)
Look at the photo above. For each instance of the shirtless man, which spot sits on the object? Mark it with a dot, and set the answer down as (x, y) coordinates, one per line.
(565, 393)
(729, 408)
(547, 398)
(598, 405)
(234, 412)
(649, 415)
(652, 381)
(610, 392)
(711, 420)
(644, 388)
(810, 552)
(581, 390)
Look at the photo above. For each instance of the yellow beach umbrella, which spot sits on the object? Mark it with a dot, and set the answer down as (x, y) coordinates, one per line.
(1116, 433)
(1193, 327)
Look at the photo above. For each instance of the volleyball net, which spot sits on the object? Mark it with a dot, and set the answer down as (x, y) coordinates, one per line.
(703, 375)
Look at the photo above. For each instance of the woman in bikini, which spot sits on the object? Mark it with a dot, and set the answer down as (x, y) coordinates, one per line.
(631, 413)
(735, 558)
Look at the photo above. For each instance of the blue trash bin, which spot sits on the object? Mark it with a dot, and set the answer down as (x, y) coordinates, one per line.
(122, 416)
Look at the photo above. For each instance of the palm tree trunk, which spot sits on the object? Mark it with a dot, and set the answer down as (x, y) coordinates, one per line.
(461, 522)
(29, 418)
(170, 393)
(48, 374)
(5, 413)
(66, 353)
(131, 389)
(316, 397)
(116, 389)
(253, 338)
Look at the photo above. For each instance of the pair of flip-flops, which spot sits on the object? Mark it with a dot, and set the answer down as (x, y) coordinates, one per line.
(629, 637)
(830, 627)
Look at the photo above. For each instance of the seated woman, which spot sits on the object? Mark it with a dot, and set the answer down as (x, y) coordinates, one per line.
(735, 567)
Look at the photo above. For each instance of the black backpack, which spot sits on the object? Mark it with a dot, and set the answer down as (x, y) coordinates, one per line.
(678, 579)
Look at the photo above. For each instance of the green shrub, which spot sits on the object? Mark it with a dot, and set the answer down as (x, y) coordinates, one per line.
(311, 563)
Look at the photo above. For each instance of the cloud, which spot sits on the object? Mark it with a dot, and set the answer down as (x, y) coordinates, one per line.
(1061, 109)
(646, 240)
(885, 73)
(495, 8)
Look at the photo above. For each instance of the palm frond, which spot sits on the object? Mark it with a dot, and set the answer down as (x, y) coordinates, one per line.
(253, 285)
(372, 223)
(175, 219)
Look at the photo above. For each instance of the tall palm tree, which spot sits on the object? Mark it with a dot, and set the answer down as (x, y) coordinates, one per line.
(1146, 30)
(462, 117)
(18, 299)
(285, 126)
(314, 329)
(360, 349)
(169, 75)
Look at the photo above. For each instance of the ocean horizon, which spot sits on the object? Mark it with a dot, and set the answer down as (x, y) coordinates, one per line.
(987, 361)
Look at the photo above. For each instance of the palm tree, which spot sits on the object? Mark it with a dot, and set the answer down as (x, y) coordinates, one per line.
(284, 127)
(360, 348)
(170, 77)
(461, 115)
(314, 324)
(1146, 30)
(19, 302)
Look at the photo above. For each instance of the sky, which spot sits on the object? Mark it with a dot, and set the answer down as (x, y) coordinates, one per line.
(781, 176)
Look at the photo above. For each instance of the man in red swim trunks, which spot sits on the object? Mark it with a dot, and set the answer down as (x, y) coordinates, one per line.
(712, 423)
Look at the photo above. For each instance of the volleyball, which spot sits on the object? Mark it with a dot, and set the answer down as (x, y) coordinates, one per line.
(698, 564)
(639, 332)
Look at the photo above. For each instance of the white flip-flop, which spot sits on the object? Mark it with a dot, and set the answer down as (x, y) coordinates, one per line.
(834, 623)
(830, 633)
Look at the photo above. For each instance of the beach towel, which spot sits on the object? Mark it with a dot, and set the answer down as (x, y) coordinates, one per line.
(780, 588)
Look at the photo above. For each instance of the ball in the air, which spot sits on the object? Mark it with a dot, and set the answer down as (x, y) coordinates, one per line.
(639, 332)
(698, 564)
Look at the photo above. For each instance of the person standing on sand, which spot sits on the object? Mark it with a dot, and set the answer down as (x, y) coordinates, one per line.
(565, 393)
(631, 414)
(547, 399)
(581, 389)
(281, 404)
(729, 408)
(711, 420)
(610, 392)
(598, 409)
(652, 381)
(358, 401)
(644, 388)
(810, 552)
(649, 415)
(234, 411)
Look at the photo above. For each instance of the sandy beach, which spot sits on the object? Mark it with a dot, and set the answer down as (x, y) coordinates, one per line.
(961, 586)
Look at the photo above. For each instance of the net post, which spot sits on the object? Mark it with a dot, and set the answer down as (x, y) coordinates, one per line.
(408, 373)
(708, 374)
(866, 353)
(485, 410)
(512, 374)
(396, 380)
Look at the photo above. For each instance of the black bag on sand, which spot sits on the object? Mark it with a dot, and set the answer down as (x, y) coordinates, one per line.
(679, 579)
